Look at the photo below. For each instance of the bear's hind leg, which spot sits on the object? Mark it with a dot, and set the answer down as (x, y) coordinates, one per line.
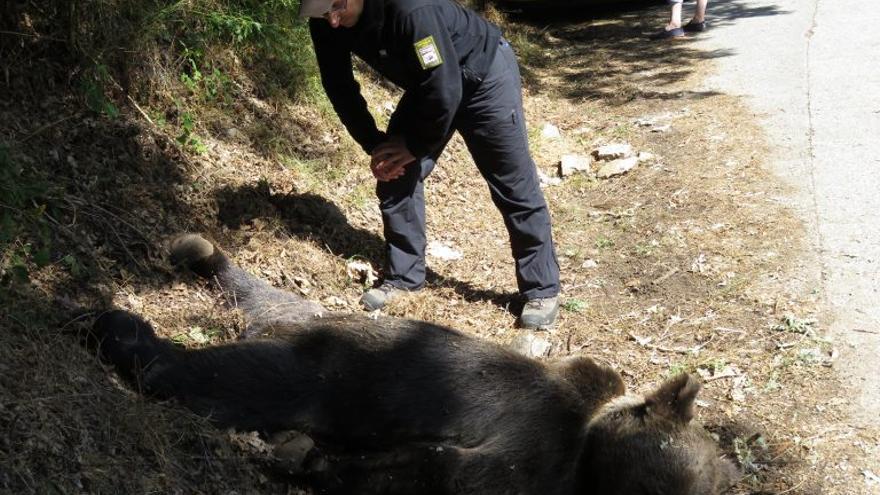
(264, 306)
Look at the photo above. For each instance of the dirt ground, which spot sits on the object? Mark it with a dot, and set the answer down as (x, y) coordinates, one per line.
(689, 262)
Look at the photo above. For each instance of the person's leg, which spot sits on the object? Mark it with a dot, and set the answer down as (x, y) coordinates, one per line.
(698, 22)
(700, 13)
(493, 126)
(402, 203)
(674, 15)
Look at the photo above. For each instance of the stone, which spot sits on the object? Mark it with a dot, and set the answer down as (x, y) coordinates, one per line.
(259, 106)
(617, 167)
(589, 264)
(291, 449)
(437, 249)
(545, 180)
(657, 123)
(334, 301)
(612, 151)
(570, 164)
(550, 131)
(361, 272)
(645, 156)
(530, 344)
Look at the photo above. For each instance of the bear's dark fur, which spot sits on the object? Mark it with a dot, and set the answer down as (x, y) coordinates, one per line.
(406, 407)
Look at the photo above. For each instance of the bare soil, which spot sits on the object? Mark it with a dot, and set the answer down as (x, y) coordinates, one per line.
(690, 262)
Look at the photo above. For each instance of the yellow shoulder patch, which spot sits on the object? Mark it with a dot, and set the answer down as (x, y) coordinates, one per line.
(427, 52)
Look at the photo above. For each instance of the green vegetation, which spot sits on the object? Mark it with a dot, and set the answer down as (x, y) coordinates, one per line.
(714, 366)
(574, 305)
(92, 83)
(25, 235)
(604, 243)
(188, 66)
(793, 324)
(201, 38)
(643, 249)
(676, 369)
(198, 336)
(193, 59)
(749, 452)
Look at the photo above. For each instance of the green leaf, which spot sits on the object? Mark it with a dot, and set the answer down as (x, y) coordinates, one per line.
(20, 272)
(42, 257)
(72, 264)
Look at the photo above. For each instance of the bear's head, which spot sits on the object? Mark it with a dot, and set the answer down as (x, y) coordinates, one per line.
(651, 446)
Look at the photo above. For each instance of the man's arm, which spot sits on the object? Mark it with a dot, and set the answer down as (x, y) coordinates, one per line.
(344, 92)
(424, 115)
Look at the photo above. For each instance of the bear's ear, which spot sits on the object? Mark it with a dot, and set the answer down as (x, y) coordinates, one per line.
(675, 398)
(595, 383)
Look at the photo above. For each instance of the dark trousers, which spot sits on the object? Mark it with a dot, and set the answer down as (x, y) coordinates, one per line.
(491, 121)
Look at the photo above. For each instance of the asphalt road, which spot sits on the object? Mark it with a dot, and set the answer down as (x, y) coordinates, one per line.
(811, 69)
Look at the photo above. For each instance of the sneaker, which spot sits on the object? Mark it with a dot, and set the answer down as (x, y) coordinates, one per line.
(378, 297)
(695, 27)
(540, 313)
(666, 34)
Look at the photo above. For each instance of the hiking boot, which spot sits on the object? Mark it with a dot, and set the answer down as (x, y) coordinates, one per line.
(378, 297)
(540, 313)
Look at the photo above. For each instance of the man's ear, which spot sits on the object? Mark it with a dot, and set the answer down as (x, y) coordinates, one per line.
(675, 398)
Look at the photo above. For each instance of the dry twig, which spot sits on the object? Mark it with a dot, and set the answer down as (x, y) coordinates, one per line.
(646, 342)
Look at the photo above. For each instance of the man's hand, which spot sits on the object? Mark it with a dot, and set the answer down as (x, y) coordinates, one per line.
(390, 158)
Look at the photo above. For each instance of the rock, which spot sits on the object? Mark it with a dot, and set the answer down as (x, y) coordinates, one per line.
(442, 251)
(259, 106)
(589, 264)
(570, 164)
(291, 449)
(334, 301)
(658, 123)
(738, 389)
(361, 272)
(249, 442)
(612, 151)
(135, 302)
(617, 167)
(546, 180)
(550, 131)
(644, 156)
(531, 344)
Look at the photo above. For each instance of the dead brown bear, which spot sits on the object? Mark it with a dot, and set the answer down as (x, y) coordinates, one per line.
(399, 406)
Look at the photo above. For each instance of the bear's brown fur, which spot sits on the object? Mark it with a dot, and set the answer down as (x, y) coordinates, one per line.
(407, 407)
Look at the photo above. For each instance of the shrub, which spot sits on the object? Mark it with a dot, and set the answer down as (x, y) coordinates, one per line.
(25, 235)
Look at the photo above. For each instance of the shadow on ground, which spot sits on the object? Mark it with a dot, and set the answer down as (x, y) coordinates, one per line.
(318, 220)
(618, 41)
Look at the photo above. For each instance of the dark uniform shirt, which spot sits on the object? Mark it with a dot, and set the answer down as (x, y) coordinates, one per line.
(387, 37)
